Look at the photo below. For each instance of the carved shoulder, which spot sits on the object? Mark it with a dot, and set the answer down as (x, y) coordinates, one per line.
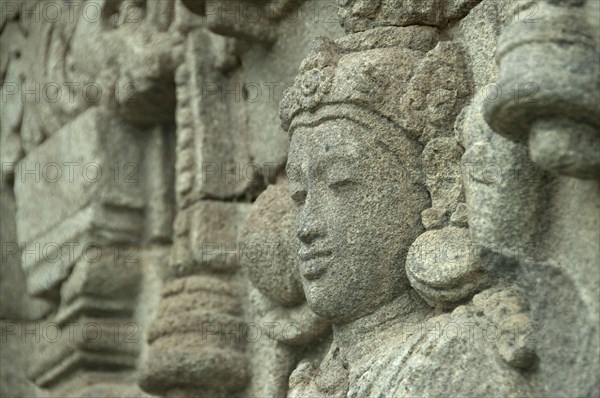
(483, 348)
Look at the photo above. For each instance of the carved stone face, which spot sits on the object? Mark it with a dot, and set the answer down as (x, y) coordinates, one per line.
(358, 212)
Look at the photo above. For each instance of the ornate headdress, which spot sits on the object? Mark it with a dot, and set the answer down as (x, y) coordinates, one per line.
(399, 75)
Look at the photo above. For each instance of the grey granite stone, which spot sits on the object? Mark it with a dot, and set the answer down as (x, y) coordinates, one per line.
(354, 198)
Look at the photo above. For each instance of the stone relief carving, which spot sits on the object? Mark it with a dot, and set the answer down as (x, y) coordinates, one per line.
(434, 233)
(81, 248)
(277, 306)
(353, 158)
(244, 19)
(221, 167)
(554, 111)
(546, 119)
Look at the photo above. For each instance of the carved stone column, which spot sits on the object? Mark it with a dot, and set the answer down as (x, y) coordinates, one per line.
(232, 72)
(196, 348)
(87, 209)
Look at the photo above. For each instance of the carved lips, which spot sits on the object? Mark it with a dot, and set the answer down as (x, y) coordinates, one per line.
(312, 263)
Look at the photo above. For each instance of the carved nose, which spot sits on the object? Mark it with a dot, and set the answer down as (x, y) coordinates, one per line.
(311, 230)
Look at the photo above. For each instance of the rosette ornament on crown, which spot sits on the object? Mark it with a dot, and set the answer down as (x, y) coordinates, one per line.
(323, 80)
(314, 81)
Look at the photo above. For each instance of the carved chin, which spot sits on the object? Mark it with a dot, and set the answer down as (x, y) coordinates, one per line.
(326, 299)
(324, 302)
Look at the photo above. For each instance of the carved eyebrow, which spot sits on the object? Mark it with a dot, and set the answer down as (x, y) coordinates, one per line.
(344, 160)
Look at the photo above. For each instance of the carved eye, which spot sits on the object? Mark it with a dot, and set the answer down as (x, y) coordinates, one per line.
(299, 197)
(339, 184)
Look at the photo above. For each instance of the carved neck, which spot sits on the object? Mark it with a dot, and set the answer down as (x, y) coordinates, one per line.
(408, 308)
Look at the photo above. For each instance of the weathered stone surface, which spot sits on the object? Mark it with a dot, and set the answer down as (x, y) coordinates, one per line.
(110, 278)
(90, 187)
(519, 217)
(92, 159)
(331, 251)
(444, 267)
(95, 192)
(97, 344)
(286, 327)
(332, 181)
(12, 72)
(16, 348)
(348, 369)
(198, 338)
(394, 83)
(359, 15)
(434, 218)
(269, 251)
(554, 64)
(409, 208)
(230, 18)
(460, 216)
(206, 238)
(15, 303)
(441, 158)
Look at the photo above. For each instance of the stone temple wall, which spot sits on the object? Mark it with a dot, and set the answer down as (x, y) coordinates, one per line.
(302, 198)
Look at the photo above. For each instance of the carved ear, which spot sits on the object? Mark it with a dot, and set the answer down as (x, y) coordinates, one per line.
(443, 266)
